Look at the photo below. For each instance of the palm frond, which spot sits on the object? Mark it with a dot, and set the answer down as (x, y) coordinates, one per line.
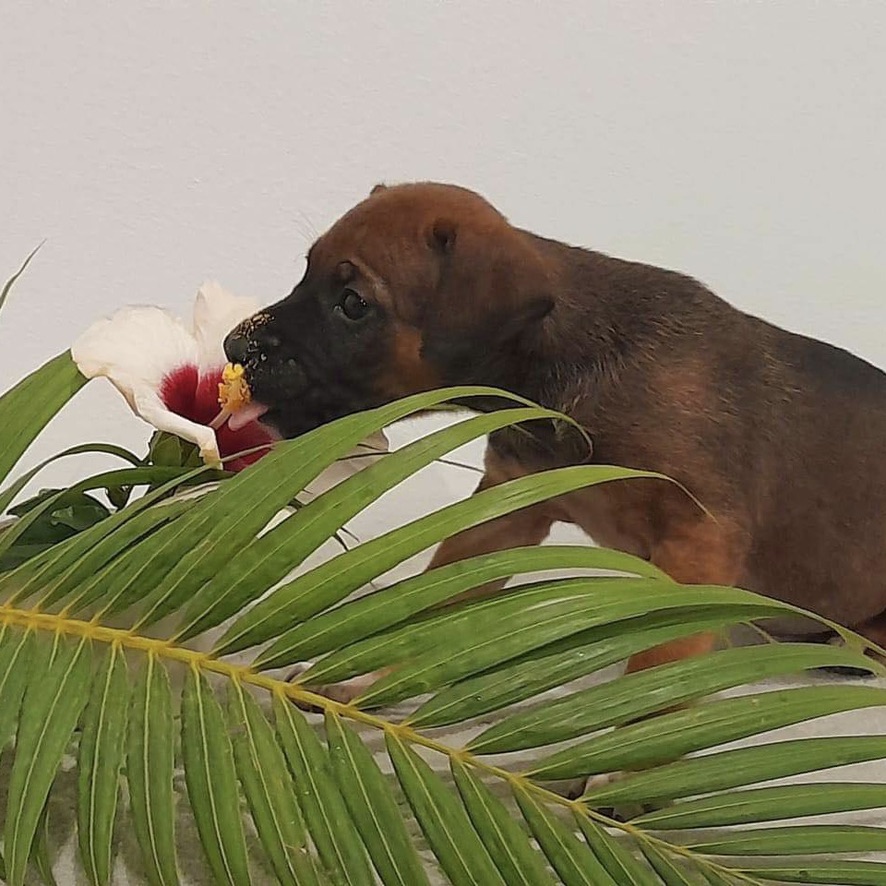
(27, 408)
(384, 789)
(7, 286)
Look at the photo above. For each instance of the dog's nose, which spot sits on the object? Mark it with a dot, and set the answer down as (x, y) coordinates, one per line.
(236, 347)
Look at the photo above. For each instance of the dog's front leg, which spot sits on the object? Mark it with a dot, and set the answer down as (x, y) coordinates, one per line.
(705, 552)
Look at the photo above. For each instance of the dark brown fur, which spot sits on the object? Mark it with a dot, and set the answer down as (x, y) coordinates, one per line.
(781, 437)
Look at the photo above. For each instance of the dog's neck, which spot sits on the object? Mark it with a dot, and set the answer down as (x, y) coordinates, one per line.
(610, 316)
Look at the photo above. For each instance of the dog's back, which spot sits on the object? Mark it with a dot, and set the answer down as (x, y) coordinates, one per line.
(821, 532)
(783, 434)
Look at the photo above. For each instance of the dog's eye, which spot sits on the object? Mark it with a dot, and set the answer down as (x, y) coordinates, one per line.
(352, 305)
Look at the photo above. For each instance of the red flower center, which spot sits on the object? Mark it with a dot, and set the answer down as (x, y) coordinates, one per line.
(190, 395)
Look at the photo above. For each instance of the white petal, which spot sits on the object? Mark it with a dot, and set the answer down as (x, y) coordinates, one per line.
(135, 345)
(216, 313)
(151, 408)
(135, 348)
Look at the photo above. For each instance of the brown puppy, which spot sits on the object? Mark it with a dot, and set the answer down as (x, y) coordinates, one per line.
(781, 437)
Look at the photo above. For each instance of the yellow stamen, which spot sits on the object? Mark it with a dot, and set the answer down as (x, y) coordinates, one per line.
(233, 389)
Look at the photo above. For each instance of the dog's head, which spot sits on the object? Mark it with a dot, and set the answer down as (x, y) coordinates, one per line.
(419, 286)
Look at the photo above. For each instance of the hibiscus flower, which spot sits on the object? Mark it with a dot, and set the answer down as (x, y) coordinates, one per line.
(170, 374)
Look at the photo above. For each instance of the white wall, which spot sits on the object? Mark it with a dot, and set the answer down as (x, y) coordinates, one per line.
(153, 147)
(741, 142)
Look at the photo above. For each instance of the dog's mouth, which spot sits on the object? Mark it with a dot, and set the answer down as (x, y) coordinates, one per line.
(236, 397)
(279, 393)
(253, 411)
(290, 396)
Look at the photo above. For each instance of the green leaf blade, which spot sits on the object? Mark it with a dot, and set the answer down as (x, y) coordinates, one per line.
(670, 736)
(16, 651)
(738, 767)
(506, 842)
(102, 749)
(131, 476)
(7, 286)
(293, 540)
(211, 778)
(837, 873)
(41, 855)
(85, 580)
(373, 808)
(8, 495)
(810, 839)
(564, 661)
(52, 704)
(384, 609)
(446, 825)
(471, 638)
(255, 497)
(332, 830)
(27, 408)
(643, 693)
(623, 866)
(672, 873)
(334, 580)
(767, 804)
(574, 861)
(44, 573)
(150, 765)
(269, 789)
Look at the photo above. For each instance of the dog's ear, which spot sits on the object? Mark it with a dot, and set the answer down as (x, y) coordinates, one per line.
(441, 235)
(534, 309)
(520, 324)
(492, 295)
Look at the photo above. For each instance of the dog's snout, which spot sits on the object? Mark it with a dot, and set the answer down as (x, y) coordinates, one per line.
(241, 344)
(267, 342)
(236, 347)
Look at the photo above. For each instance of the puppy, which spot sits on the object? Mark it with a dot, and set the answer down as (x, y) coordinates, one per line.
(781, 437)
